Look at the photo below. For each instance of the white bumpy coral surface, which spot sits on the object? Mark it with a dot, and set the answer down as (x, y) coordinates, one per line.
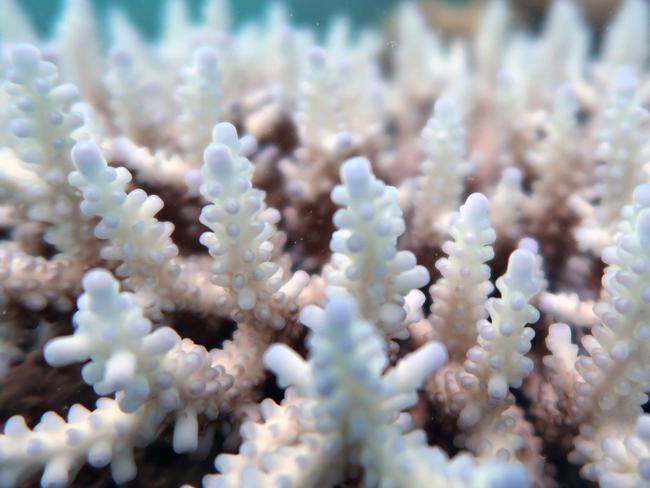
(217, 242)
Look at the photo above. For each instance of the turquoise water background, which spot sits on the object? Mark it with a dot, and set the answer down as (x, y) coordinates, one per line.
(147, 13)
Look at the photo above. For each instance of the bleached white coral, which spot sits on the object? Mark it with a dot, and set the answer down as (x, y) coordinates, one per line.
(319, 117)
(627, 37)
(102, 437)
(152, 168)
(83, 67)
(200, 98)
(442, 173)
(507, 204)
(499, 360)
(417, 50)
(14, 23)
(123, 33)
(343, 411)
(364, 93)
(242, 233)
(560, 165)
(135, 99)
(565, 45)
(153, 369)
(568, 306)
(111, 331)
(362, 90)
(490, 41)
(562, 372)
(135, 237)
(18, 183)
(512, 102)
(627, 459)
(478, 394)
(366, 262)
(42, 124)
(36, 282)
(459, 81)
(216, 16)
(459, 295)
(622, 151)
(614, 378)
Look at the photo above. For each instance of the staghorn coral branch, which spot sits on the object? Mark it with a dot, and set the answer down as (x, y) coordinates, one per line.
(479, 396)
(565, 45)
(43, 125)
(365, 260)
(626, 458)
(83, 67)
(560, 165)
(613, 382)
(18, 184)
(529, 108)
(623, 149)
(244, 237)
(489, 41)
(35, 282)
(418, 48)
(319, 116)
(459, 295)
(566, 306)
(14, 24)
(135, 237)
(347, 413)
(154, 169)
(104, 436)
(155, 371)
(440, 184)
(507, 204)
(199, 98)
(135, 100)
(630, 22)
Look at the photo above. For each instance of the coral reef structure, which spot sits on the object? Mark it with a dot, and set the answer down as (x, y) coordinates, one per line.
(265, 257)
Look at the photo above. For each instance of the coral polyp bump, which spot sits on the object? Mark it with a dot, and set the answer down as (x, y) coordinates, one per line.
(369, 258)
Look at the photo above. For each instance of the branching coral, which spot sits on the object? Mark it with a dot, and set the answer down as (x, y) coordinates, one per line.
(348, 410)
(459, 295)
(200, 100)
(440, 184)
(42, 124)
(479, 396)
(103, 436)
(218, 202)
(243, 233)
(614, 381)
(153, 373)
(622, 151)
(135, 237)
(365, 261)
(560, 165)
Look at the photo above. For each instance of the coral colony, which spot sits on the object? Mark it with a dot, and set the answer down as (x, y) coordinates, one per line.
(400, 237)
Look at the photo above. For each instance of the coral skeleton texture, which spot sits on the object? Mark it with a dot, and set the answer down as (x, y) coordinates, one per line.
(387, 257)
